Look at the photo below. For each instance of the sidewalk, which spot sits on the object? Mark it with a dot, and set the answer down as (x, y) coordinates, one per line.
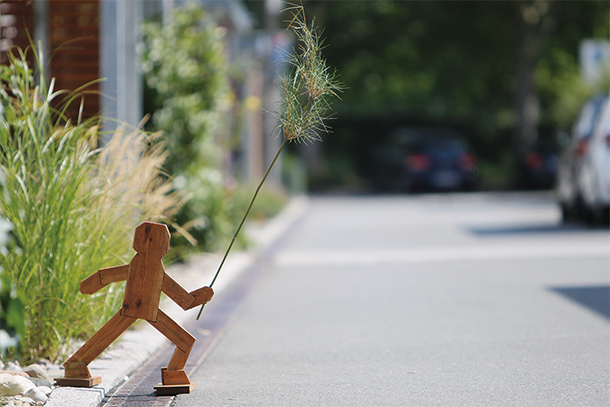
(137, 345)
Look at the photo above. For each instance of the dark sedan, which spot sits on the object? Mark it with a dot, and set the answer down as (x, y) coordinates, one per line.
(437, 160)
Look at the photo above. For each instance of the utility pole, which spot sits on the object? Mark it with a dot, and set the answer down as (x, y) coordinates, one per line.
(271, 96)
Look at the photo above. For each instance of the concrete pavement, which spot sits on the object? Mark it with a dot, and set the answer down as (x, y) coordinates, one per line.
(448, 300)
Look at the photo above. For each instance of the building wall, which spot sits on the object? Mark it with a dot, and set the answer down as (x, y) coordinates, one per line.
(74, 45)
(90, 46)
(15, 16)
(68, 33)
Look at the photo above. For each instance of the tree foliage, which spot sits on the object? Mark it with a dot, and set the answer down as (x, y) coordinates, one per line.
(503, 71)
(450, 59)
(188, 84)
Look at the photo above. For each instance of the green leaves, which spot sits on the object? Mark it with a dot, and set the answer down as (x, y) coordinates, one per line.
(184, 64)
(12, 320)
(187, 75)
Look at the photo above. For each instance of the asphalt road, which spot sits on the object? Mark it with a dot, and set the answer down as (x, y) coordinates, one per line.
(438, 300)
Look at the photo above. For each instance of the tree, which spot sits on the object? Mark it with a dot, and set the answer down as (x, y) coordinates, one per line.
(494, 68)
(187, 80)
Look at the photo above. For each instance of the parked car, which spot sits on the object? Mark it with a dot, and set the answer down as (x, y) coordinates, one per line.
(539, 165)
(435, 159)
(583, 185)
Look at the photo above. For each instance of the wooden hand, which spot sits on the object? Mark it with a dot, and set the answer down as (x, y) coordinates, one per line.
(202, 295)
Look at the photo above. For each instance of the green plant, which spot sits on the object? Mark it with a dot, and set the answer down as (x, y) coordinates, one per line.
(12, 326)
(577, 91)
(187, 76)
(73, 206)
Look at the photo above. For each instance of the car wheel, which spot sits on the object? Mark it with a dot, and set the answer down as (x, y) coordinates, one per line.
(606, 216)
(581, 212)
(567, 213)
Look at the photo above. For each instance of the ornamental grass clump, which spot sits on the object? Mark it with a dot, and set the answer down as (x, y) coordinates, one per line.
(306, 94)
(73, 205)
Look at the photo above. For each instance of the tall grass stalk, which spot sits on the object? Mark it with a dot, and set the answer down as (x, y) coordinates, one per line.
(73, 205)
(305, 104)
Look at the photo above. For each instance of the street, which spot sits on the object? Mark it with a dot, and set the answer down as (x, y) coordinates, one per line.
(431, 300)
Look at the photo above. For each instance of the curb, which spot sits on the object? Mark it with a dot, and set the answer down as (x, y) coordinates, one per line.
(138, 344)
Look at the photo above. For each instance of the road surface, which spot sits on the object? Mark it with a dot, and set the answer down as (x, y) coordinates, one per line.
(432, 300)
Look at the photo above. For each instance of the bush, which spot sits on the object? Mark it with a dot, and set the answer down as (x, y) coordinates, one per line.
(73, 206)
(12, 325)
(188, 81)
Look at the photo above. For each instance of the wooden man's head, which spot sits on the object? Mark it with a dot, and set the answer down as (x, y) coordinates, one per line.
(152, 239)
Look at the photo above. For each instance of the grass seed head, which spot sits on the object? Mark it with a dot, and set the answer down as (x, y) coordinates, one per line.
(310, 85)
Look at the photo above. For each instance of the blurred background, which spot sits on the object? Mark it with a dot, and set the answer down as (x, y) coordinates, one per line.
(439, 95)
(505, 78)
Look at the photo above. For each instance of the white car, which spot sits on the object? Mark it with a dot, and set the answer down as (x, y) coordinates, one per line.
(594, 176)
(571, 159)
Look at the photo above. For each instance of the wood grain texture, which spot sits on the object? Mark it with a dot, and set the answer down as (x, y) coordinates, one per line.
(174, 376)
(76, 369)
(178, 294)
(145, 277)
(91, 284)
(114, 274)
(101, 340)
(202, 295)
(78, 381)
(179, 358)
(172, 331)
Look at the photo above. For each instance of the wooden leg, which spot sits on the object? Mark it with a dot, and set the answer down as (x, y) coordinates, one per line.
(179, 358)
(172, 331)
(175, 380)
(77, 374)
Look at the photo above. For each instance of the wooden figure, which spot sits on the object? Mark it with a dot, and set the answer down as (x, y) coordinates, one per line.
(146, 278)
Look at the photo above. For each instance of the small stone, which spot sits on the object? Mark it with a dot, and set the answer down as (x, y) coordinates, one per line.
(36, 395)
(37, 371)
(26, 399)
(11, 385)
(45, 389)
(15, 373)
(44, 362)
(40, 382)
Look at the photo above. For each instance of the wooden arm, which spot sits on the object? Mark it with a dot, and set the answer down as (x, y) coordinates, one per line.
(114, 274)
(183, 298)
(102, 277)
(175, 291)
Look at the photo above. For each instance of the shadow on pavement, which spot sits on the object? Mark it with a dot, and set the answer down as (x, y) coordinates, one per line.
(596, 298)
(528, 229)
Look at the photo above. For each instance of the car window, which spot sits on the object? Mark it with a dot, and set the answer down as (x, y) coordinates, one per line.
(586, 120)
(603, 127)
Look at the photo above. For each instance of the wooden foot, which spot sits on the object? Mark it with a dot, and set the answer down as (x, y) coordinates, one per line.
(174, 382)
(173, 389)
(78, 381)
(174, 376)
